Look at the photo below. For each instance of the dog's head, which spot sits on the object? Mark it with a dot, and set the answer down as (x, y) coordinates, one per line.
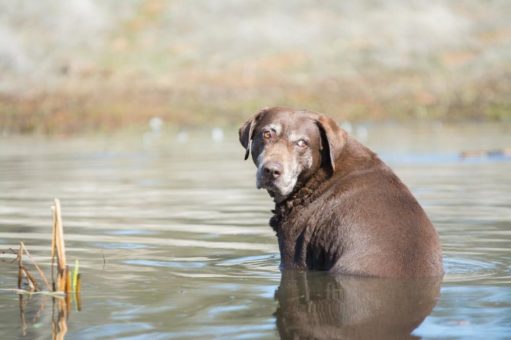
(288, 146)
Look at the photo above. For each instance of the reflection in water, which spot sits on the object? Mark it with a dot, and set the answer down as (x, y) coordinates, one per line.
(31, 310)
(60, 313)
(314, 305)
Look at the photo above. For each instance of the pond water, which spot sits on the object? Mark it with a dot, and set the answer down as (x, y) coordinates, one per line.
(173, 240)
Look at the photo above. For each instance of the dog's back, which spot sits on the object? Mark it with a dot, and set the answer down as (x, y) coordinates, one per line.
(363, 221)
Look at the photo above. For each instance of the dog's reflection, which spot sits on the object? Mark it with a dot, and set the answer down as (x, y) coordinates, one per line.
(315, 305)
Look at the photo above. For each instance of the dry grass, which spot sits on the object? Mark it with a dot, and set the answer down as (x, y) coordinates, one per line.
(221, 101)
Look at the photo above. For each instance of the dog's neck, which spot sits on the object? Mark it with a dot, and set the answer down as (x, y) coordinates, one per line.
(303, 194)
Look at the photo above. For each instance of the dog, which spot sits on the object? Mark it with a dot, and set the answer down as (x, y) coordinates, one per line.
(338, 207)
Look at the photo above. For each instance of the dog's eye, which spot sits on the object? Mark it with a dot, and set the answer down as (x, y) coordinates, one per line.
(267, 134)
(301, 143)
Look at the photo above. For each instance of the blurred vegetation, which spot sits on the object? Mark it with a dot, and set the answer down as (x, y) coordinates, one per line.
(79, 65)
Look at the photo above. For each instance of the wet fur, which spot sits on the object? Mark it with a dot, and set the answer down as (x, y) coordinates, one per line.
(351, 214)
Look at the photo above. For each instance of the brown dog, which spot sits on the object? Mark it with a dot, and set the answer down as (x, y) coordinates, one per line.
(338, 206)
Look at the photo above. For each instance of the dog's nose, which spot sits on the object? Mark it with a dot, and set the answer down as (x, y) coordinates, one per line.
(272, 169)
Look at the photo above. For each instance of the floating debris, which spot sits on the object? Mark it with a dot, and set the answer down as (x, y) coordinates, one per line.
(503, 153)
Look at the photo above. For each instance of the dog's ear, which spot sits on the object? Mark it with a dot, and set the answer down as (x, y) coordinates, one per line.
(247, 129)
(335, 137)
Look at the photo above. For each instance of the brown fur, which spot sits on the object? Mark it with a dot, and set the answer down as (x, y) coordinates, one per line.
(348, 212)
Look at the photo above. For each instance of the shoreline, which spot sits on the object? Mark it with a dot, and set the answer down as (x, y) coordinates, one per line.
(109, 111)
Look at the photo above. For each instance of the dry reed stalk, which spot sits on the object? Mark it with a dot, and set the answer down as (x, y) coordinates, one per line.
(63, 283)
(41, 273)
(34, 286)
(52, 251)
(20, 266)
(23, 272)
(68, 280)
(60, 284)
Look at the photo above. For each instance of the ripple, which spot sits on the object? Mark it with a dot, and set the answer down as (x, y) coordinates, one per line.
(148, 241)
(264, 262)
(464, 270)
(169, 264)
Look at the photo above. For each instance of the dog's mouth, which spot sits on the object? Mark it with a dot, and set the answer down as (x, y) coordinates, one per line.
(278, 191)
(276, 194)
(272, 190)
(269, 186)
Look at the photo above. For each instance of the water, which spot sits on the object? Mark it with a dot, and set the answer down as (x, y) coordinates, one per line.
(173, 241)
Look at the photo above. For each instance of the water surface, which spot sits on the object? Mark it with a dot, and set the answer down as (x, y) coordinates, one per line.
(173, 240)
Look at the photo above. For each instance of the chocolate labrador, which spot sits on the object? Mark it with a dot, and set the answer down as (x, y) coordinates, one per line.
(338, 207)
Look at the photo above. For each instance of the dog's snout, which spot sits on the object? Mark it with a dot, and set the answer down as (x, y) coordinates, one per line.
(272, 169)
